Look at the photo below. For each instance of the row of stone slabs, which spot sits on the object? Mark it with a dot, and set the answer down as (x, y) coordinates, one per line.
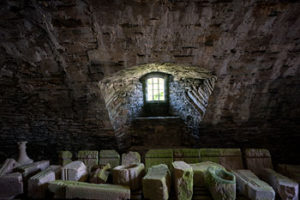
(187, 178)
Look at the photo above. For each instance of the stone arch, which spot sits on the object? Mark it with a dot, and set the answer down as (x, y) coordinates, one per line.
(123, 94)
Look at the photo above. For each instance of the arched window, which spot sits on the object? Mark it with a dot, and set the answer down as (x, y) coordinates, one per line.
(155, 89)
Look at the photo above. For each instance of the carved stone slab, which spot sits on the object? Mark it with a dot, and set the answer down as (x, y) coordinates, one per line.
(65, 157)
(183, 180)
(109, 156)
(8, 166)
(285, 187)
(32, 168)
(74, 171)
(81, 190)
(37, 184)
(258, 159)
(130, 175)
(156, 183)
(89, 158)
(11, 185)
(131, 158)
(252, 187)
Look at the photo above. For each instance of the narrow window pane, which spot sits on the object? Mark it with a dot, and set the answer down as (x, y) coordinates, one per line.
(155, 86)
(149, 81)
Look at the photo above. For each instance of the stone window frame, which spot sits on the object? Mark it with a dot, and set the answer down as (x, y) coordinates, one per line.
(166, 86)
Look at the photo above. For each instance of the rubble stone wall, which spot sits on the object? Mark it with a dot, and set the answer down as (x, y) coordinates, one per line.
(54, 53)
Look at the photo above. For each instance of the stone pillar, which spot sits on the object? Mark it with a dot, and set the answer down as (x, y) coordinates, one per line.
(183, 180)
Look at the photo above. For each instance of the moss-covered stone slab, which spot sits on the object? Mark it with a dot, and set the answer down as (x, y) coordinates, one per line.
(156, 183)
(249, 185)
(109, 156)
(130, 175)
(131, 158)
(8, 166)
(81, 190)
(183, 180)
(230, 158)
(101, 174)
(74, 171)
(11, 185)
(159, 156)
(221, 183)
(37, 184)
(291, 171)
(89, 158)
(285, 187)
(257, 160)
(32, 168)
(187, 155)
(65, 157)
(200, 169)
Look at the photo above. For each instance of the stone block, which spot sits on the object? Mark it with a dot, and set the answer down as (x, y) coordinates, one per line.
(101, 174)
(249, 185)
(74, 171)
(200, 169)
(37, 184)
(129, 175)
(159, 156)
(8, 166)
(156, 183)
(11, 185)
(89, 158)
(221, 183)
(131, 158)
(286, 188)
(109, 156)
(183, 180)
(32, 168)
(291, 171)
(81, 190)
(187, 155)
(257, 160)
(229, 158)
(65, 157)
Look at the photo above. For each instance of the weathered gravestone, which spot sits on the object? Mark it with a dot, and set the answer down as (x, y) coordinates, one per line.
(156, 183)
(257, 160)
(89, 158)
(101, 174)
(221, 183)
(249, 185)
(11, 185)
(8, 166)
(74, 171)
(183, 180)
(187, 155)
(37, 184)
(130, 175)
(229, 158)
(159, 156)
(285, 187)
(65, 157)
(131, 158)
(81, 190)
(109, 156)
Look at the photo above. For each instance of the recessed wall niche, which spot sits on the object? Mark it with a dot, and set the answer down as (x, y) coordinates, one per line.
(189, 88)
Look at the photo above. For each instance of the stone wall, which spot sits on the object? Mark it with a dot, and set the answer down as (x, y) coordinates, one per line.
(54, 53)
